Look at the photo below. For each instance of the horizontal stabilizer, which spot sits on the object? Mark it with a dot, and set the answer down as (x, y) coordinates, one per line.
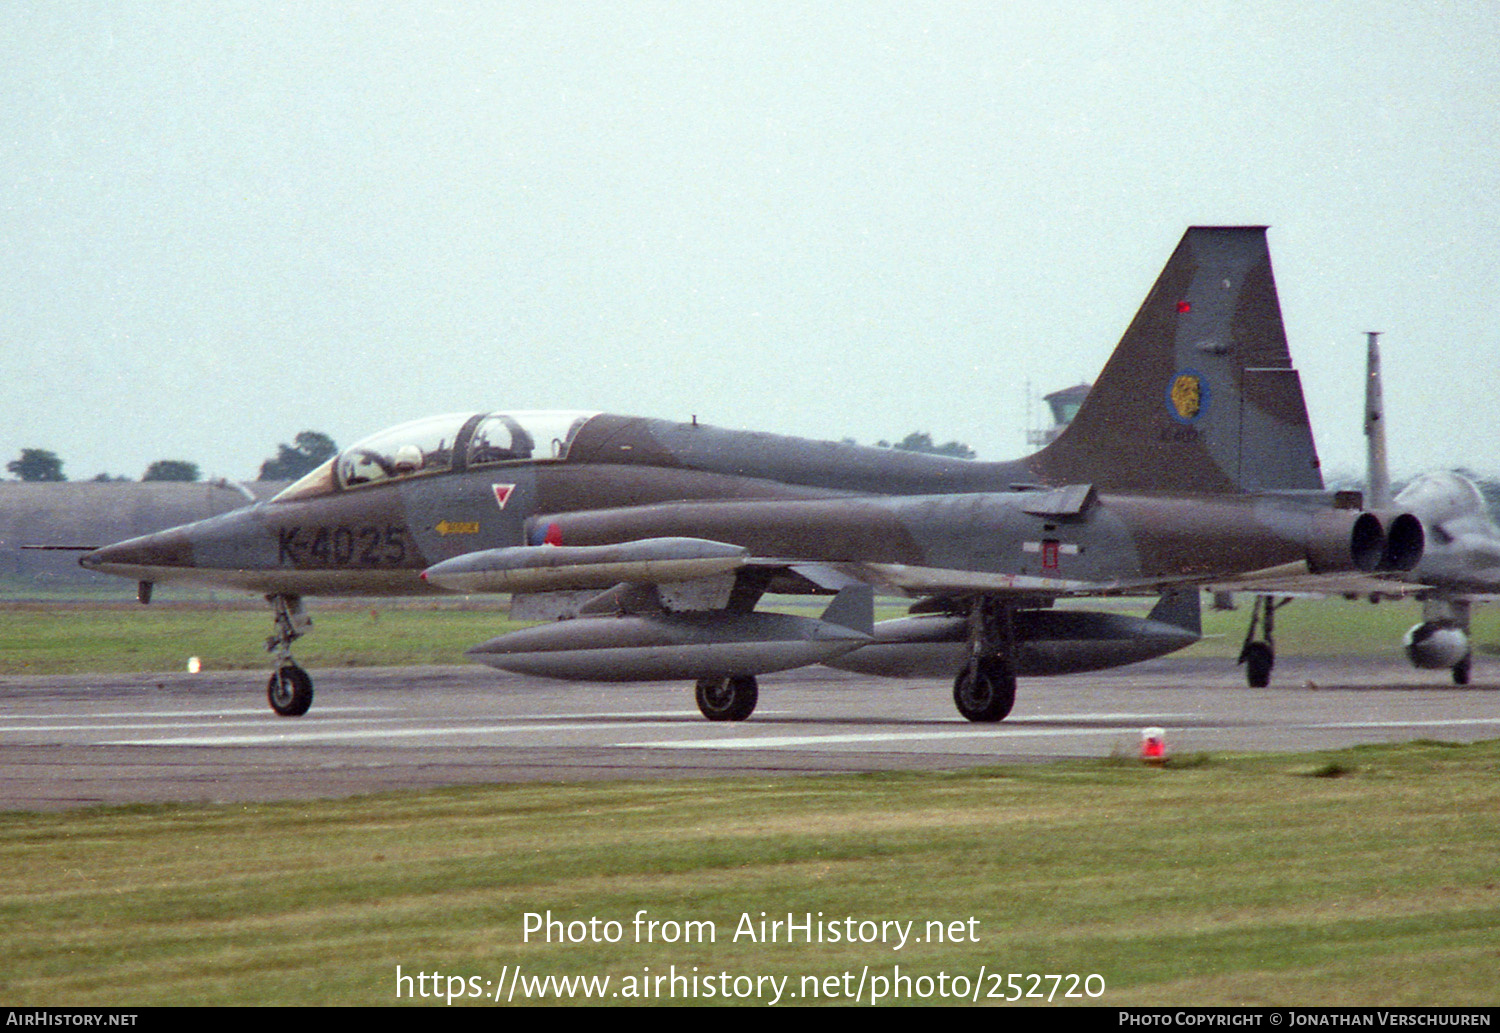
(1301, 583)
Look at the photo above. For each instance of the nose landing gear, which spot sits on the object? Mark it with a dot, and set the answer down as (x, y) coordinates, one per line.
(290, 690)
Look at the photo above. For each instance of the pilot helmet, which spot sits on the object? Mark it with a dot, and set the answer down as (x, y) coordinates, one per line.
(408, 459)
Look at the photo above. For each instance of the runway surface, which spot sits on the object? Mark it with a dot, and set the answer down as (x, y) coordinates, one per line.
(94, 739)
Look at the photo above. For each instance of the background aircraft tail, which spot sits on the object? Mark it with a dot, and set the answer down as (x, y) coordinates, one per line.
(1200, 395)
(1377, 469)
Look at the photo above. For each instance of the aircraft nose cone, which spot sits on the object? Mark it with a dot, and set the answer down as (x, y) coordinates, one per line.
(163, 549)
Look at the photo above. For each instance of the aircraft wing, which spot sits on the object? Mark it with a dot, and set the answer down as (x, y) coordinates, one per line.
(677, 561)
(663, 608)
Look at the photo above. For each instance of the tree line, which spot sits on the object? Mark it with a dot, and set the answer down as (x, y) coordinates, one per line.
(306, 453)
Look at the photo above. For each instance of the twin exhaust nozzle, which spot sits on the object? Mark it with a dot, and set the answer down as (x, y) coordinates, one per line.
(1383, 542)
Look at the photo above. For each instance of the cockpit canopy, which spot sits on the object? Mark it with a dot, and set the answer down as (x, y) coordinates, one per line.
(439, 444)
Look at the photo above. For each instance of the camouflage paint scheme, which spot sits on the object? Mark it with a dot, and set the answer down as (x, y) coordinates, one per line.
(1191, 461)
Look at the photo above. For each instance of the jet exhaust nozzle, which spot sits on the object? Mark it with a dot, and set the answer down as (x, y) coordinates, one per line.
(1340, 540)
(1405, 541)
(1367, 542)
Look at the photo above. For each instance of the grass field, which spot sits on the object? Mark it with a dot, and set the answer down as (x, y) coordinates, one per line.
(57, 638)
(62, 638)
(1366, 876)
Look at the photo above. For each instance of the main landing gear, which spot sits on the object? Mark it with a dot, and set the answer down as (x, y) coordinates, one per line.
(1443, 634)
(728, 698)
(290, 689)
(1456, 610)
(1259, 656)
(985, 690)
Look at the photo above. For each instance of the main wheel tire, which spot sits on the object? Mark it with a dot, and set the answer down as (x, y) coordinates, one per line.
(727, 699)
(984, 691)
(1258, 659)
(290, 691)
(1463, 669)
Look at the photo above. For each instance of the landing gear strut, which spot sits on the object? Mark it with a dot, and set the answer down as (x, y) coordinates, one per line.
(1260, 656)
(290, 690)
(985, 690)
(727, 699)
(1455, 611)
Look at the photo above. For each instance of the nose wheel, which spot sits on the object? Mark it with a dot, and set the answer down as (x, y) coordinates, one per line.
(290, 690)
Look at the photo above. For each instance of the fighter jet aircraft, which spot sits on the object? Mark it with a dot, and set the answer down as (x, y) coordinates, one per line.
(646, 545)
(1460, 563)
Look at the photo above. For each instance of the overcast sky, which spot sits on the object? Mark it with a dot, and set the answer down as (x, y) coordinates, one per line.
(223, 223)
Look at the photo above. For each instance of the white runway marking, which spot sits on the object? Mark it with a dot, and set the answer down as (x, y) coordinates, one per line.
(1417, 722)
(334, 725)
(147, 714)
(127, 727)
(373, 731)
(1150, 719)
(779, 742)
(320, 735)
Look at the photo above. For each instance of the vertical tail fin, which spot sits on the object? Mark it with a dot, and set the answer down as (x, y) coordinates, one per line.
(1377, 470)
(1200, 394)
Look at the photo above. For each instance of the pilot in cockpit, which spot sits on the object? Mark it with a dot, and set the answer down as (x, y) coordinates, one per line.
(406, 461)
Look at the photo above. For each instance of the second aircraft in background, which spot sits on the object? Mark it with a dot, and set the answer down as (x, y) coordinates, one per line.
(1460, 562)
